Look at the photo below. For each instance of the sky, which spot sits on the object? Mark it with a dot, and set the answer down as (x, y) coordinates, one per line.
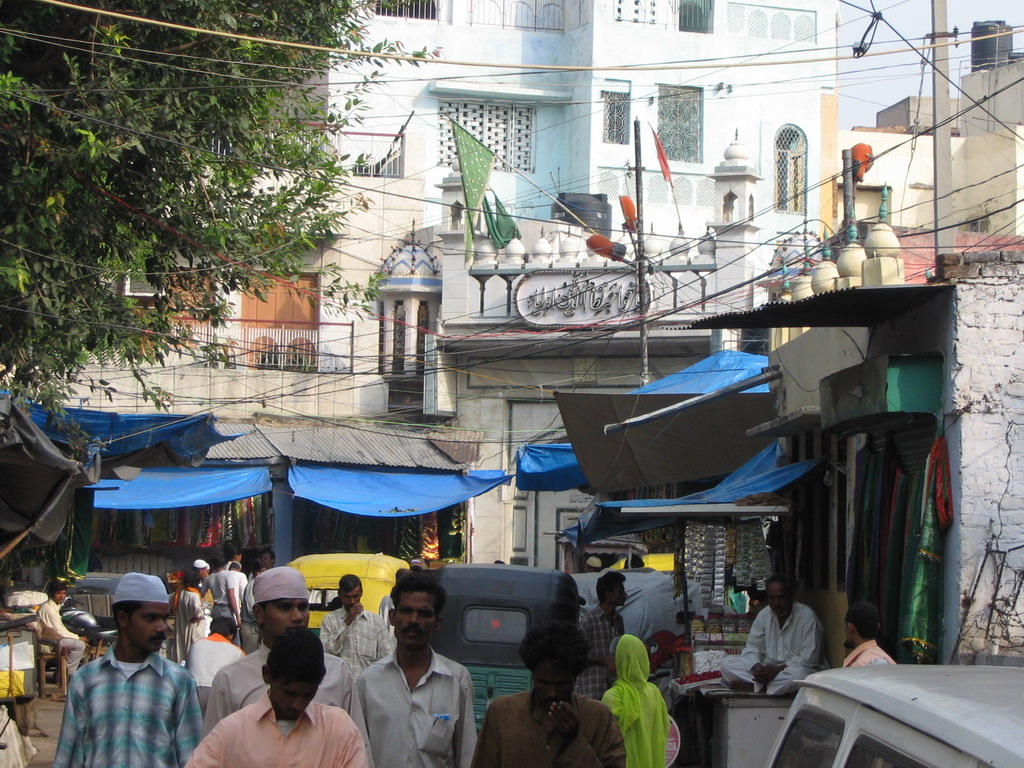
(870, 84)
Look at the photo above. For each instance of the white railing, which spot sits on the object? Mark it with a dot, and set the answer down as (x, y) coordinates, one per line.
(325, 349)
(518, 14)
(372, 154)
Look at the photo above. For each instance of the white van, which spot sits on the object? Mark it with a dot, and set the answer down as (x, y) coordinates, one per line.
(905, 717)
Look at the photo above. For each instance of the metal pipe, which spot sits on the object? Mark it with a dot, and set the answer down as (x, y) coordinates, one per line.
(770, 374)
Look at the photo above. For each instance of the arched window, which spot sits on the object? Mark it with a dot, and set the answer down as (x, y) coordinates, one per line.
(729, 207)
(790, 170)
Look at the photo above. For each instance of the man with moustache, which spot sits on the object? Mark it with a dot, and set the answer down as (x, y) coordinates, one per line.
(418, 704)
(784, 645)
(131, 692)
(550, 725)
(281, 603)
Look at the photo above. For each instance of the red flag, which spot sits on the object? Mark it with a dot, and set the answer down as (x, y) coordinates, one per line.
(662, 158)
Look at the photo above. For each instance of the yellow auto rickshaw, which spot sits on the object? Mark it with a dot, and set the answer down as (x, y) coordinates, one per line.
(322, 573)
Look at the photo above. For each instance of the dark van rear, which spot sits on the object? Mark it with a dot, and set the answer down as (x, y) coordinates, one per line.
(489, 610)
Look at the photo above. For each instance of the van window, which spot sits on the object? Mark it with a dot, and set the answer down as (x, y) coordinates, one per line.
(810, 742)
(867, 753)
(494, 625)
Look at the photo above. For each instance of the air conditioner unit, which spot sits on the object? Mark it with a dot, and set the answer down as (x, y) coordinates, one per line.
(136, 285)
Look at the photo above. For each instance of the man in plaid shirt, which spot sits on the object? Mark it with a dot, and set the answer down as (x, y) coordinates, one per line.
(132, 708)
(601, 626)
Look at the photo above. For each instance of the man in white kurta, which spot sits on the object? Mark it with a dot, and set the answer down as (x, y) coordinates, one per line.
(784, 645)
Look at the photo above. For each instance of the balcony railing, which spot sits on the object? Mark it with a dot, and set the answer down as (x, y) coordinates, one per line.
(326, 349)
(518, 14)
(684, 15)
(373, 154)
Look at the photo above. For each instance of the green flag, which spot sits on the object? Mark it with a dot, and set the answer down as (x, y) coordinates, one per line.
(500, 226)
(475, 163)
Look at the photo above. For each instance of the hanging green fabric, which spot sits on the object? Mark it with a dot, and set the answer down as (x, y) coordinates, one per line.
(921, 607)
(68, 556)
(476, 162)
(501, 227)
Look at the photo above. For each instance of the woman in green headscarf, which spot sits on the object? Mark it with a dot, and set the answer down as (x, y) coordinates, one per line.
(638, 705)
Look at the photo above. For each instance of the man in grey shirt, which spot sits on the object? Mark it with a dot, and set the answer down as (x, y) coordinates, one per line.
(417, 703)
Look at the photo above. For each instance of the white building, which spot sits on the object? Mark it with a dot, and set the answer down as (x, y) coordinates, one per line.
(447, 345)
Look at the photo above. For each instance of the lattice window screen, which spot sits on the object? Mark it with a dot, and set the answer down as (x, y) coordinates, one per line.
(681, 122)
(507, 129)
(609, 185)
(616, 117)
(790, 169)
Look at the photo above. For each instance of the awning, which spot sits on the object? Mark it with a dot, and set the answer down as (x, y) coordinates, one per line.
(699, 443)
(37, 481)
(551, 467)
(761, 475)
(713, 372)
(851, 308)
(735, 496)
(136, 439)
(385, 493)
(173, 487)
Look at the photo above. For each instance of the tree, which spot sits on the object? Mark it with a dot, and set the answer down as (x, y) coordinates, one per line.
(195, 160)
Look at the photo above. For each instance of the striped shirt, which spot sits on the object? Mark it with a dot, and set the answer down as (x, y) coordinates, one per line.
(148, 720)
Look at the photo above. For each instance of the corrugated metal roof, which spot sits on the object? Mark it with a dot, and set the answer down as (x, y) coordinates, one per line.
(849, 308)
(251, 445)
(368, 446)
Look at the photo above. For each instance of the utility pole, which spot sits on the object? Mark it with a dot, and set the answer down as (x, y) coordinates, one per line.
(643, 291)
(942, 148)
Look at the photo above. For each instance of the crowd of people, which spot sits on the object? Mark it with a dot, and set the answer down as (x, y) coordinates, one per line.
(370, 691)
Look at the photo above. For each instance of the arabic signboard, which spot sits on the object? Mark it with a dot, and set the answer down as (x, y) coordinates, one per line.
(576, 297)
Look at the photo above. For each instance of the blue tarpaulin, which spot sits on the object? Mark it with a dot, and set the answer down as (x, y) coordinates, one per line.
(387, 493)
(550, 467)
(761, 474)
(710, 374)
(172, 487)
(156, 439)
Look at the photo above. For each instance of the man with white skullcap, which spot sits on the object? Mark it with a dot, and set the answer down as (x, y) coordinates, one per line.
(132, 690)
(281, 601)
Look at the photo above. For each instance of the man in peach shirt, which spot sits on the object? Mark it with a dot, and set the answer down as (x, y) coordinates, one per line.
(861, 631)
(286, 727)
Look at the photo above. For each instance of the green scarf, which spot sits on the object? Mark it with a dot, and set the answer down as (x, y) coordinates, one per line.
(638, 706)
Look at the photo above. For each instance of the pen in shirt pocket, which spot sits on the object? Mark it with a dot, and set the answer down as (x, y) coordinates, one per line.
(440, 716)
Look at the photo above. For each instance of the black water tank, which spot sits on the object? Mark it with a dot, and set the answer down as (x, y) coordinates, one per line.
(593, 210)
(991, 53)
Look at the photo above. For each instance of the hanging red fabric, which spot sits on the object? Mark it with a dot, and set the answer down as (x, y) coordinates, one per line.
(938, 463)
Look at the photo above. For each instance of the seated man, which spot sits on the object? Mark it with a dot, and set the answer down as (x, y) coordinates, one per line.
(784, 645)
(286, 727)
(550, 725)
(54, 631)
(861, 631)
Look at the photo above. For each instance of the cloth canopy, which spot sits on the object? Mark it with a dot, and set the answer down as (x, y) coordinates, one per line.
(136, 439)
(713, 372)
(551, 467)
(37, 481)
(388, 493)
(173, 487)
(695, 444)
(760, 474)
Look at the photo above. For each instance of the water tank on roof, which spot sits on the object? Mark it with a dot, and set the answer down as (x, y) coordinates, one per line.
(993, 52)
(593, 210)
